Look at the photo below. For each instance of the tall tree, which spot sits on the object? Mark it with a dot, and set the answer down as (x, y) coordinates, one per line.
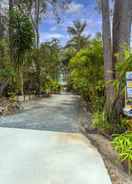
(22, 41)
(76, 32)
(37, 8)
(122, 19)
(11, 5)
(107, 45)
(37, 14)
(121, 28)
(2, 22)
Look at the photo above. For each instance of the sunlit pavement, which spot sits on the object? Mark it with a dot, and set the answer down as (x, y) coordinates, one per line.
(49, 157)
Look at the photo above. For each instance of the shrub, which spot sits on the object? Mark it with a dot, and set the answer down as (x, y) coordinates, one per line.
(121, 126)
(55, 86)
(123, 145)
(51, 86)
(99, 121)
(86, 74)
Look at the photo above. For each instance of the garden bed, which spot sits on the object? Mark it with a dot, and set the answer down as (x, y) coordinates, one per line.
(9, 106)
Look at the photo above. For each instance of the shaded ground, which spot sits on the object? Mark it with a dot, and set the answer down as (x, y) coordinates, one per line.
(57, 113)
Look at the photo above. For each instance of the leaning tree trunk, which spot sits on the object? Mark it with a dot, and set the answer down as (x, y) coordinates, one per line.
(108, 66)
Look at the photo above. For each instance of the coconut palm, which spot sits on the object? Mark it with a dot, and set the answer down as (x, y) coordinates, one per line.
(78, 40)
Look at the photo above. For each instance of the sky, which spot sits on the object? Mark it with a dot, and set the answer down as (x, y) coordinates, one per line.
(84, 10)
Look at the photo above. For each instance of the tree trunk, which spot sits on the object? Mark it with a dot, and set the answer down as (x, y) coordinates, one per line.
(38, 72)
(3, 86)
(21, 81)
(108, 66)
(121, 37)
(37, 14)
(121, 27)
(11, 4)
(2, 26)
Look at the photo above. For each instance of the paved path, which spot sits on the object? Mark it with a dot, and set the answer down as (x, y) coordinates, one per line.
(49, 157)
(57, 113)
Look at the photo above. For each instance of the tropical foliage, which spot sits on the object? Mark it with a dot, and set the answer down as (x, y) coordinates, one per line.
(86, 74)
(123, 144)
(78, 39)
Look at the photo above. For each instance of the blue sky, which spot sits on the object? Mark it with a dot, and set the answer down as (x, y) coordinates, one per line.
(78, 9)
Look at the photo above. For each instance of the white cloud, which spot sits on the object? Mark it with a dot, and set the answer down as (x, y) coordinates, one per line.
(44, 36)
(74, 7)
(4, 3)
(54, 28)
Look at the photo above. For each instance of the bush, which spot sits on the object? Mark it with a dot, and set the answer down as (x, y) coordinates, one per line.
(51, 86)
(99, 121)
(86, 74)
(123, 145)
(120, 126)
(55, 86)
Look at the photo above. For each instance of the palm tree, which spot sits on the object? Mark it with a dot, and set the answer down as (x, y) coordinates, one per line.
(78, 40)
(78, 44)
(77, 29)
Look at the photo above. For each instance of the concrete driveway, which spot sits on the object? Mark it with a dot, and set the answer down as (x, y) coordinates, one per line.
(43, 157)
(60, 155)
